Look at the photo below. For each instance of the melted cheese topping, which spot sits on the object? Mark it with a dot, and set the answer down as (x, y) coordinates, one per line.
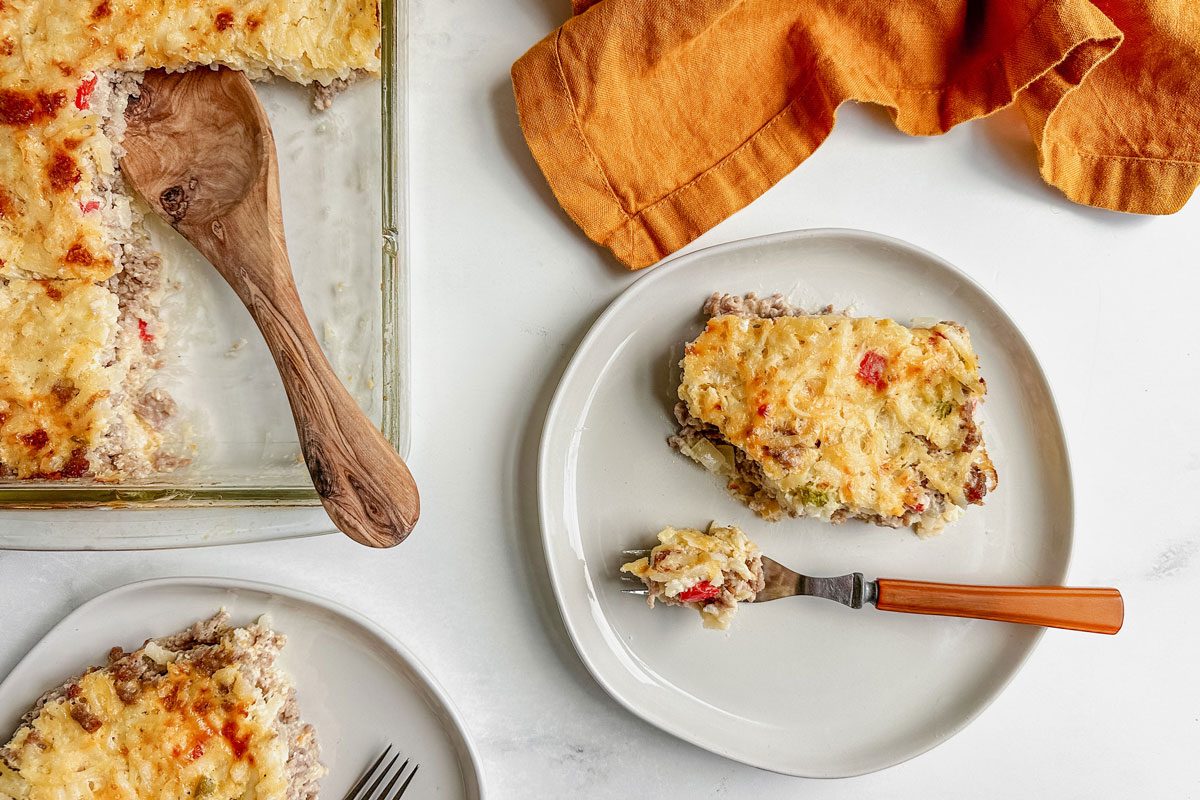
(56, 164)
(187, 735)
(11, 785)
(859, 414)
(56, 338)
(47, 174)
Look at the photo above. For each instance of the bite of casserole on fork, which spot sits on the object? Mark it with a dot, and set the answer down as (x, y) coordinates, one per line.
(709, 571)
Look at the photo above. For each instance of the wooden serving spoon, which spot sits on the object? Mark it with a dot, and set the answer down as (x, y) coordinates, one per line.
(199, 151)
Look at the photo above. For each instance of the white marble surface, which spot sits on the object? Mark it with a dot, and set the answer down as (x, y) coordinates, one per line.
(1107, 300)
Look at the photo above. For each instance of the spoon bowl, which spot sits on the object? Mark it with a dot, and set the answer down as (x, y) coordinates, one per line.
(183, 176)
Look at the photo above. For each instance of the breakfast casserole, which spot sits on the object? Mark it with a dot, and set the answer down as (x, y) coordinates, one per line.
(203, 714)
(80, 284)
(832, 416)
(711, 572)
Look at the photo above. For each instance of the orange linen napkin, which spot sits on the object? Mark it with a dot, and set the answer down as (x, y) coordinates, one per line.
(653, 120)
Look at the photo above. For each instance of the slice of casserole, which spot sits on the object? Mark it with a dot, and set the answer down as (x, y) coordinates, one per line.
(830, 416)
(202, 714)
(67, 71)
(711, 572)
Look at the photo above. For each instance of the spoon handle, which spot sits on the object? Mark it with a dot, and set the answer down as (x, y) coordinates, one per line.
(1092, 610)
(363, 482)
(364, 485)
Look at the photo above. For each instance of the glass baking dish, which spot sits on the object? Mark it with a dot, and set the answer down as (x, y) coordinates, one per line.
(343, 180)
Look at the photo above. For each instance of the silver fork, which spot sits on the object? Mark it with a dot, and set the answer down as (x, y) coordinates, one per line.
(378, 772)
(1081, 609)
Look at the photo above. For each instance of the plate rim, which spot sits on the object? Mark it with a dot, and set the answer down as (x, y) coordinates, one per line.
(466, 746)
(672, 265)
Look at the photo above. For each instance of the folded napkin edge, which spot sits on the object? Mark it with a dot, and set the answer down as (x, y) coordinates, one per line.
(1119, 182)
(1043, 63)
(548, 120)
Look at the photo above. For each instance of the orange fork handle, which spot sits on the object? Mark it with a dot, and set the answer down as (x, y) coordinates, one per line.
(1092, 610)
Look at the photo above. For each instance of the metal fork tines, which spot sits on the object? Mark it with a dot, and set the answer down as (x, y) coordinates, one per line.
(850, 590)
(635, 583)
(368, 786)
(635, 586)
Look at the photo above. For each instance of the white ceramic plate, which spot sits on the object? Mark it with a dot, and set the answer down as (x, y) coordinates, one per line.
(801, 686)
(360, 687)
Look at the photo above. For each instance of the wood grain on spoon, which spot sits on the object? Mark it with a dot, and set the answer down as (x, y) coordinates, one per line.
(199, 151)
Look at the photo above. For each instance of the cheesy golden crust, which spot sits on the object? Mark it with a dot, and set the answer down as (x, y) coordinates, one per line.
(57, 339)
(202, 721)
(187, 733)
(62, 213)
(832, 416)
